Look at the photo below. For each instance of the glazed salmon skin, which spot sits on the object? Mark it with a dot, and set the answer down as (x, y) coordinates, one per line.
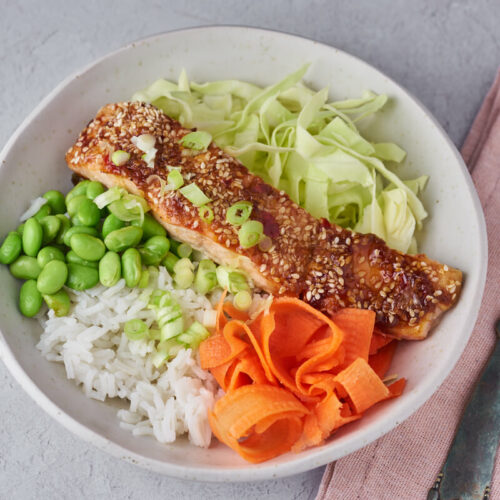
(323, 264)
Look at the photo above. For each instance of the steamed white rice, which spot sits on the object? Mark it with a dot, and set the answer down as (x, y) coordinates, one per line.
(97, 355)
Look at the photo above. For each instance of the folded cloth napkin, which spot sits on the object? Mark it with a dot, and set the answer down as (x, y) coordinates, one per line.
(404, 464)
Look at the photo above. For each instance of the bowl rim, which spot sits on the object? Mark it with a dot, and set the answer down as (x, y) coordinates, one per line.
(300, 463)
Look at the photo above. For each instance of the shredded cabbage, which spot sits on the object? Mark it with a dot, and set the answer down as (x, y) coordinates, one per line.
(298, 141)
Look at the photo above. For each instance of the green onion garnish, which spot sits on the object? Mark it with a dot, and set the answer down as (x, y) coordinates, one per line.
(242, 300)
(168, 314)
(144, 142)
(206, 278)
(175, 180)
(250, 233)
(194, 335)
(136, 329)
(127, 210)
(184, 250)
(238, 213)
(109, 196)
(232, 280)
(197, 140)
(166, 350)
(184, 279)
(172, 329)
(120, 157)
(154, 334)
(183, 273)
(195, 195)
(206, 214)
(169, 261)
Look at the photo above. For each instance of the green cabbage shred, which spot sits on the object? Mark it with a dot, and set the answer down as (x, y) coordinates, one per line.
(298, 141)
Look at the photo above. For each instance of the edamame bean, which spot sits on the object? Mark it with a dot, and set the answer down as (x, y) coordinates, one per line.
(25, 268)
(46, 254)
(20, 229)
(30, 299)
(78, 230)
(74, 259)
(73, 205)
(56, 201)
(43, 212)
(144, 281)
(150, 226)
(110, 269)
(169, 261)
(111, 223)
(153, 251)
(87, 247)
(59, 302)
(50, 226)
(131, 267)
(65, 225)
(52, 277)
(32, 237)
(79, 189)
(88, 213)
(11, 248)
(81, 277)
(123, 238)
(94, 189)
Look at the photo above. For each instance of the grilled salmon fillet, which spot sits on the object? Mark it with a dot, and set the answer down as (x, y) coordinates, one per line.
(326, 265)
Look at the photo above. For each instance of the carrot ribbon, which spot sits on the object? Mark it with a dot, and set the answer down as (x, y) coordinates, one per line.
(292, 375)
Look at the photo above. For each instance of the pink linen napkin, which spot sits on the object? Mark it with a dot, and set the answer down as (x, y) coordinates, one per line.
(404, 464)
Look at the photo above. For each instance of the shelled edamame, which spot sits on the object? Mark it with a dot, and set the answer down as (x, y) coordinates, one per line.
(74, 241)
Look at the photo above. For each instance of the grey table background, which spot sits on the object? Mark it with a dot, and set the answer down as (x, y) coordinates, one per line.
(445, 52)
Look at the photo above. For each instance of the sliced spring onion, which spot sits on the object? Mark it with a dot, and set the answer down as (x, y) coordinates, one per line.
(154, 333)
(184, 273)
(231, 280)
(144, 142)
(172, 329)
(197, 140)
(33, 209)
(158, 358)
(184, 278)
(136, 329)
(183, 264)
(184, 250)
(242, 300)
(166, 350)
(194, 335)
(206, 278)
(120, 157)
(129, 208)
(153, 273)
(239, 213)
(109, 196)
(195, 195)
(250, 233)
(206, 214)
(175, 180)
(126, 211)
(168, 314)
(169, 261)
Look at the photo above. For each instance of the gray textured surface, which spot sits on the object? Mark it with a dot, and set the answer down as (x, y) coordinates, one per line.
(445, 52)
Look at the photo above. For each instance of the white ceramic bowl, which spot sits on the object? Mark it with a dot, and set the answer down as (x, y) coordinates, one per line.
(33, 162)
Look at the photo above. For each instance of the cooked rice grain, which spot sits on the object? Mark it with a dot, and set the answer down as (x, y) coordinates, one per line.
(90, 342)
